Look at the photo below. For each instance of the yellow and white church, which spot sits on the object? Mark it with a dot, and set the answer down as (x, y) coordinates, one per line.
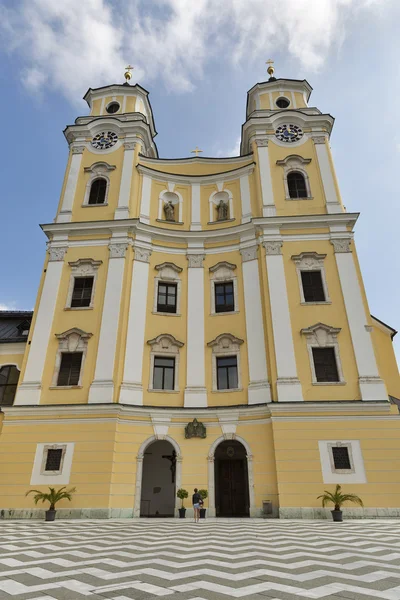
(200, 322)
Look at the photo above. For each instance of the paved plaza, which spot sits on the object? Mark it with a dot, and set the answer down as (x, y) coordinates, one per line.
(213, 560)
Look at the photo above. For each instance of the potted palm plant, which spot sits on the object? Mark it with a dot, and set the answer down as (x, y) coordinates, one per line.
(182, 494)
(337, 499)
(204, 495)
(53, 496)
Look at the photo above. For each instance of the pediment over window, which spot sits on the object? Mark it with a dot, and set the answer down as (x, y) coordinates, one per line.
(99, 167)
(168, 270)
(165, 342)
(225, 342)
(293, 160)
(321, 335)
(85, 266)
(73, 339)
(309, 260)
(222, 270)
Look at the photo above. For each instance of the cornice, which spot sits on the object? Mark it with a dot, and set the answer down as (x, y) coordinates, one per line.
(189, 179)
(358, 407)
(189, 160)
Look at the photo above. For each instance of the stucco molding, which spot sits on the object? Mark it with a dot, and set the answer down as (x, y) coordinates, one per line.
(83, 267)
(117, 250)
(341, 245)
(321, 335)
(142, 254)
(311, 261)
(57, 253)
(273, 247)
(167, 345)
(249, 253)
(195, 260)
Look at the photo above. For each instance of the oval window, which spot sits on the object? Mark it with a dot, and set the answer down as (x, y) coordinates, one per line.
(112, 108)
(282, 103)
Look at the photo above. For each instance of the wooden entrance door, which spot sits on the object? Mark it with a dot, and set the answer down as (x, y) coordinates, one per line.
(232, 488)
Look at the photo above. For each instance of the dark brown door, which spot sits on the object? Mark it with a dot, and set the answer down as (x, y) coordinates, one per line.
(232, 492)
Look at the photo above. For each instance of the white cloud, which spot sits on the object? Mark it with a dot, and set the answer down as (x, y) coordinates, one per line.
(10, 306)
(69, 45)
(231, 151)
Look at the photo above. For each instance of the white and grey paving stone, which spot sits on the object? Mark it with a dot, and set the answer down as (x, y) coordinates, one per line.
(216, 559)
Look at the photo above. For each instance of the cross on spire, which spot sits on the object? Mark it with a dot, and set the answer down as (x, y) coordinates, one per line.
(128, 73)
(196, 151)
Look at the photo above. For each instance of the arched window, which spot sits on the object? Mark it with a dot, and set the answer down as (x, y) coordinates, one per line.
(9, 376)
(297, 185)
(98, 191)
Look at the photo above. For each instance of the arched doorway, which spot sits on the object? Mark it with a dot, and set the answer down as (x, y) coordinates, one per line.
(231, 480)
(158, 480)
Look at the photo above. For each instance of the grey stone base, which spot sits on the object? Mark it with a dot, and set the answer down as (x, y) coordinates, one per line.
(348, 513)
(68, 513)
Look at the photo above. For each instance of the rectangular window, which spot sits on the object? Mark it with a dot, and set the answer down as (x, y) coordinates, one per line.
(70, 368)
(325, 364)
(341, 458)
(227, 373)
(166, 297)
(164, 373)
(313, 287)
(82, 292)
(224, 299)
(53, 460)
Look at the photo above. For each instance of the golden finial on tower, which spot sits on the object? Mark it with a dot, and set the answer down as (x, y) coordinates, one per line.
(196, 151)
(128, 73)
(271, 69)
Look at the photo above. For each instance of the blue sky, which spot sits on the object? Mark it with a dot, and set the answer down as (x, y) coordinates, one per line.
(198, 59)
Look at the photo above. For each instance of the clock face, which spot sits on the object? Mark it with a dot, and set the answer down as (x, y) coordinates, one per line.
(104, 140)
(289, 133)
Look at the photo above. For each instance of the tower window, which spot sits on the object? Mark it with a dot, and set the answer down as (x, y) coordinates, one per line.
(82, 292)
(341, 457)
(113, 107)
(9, 376)
(313, 288)
(224, 301)
(164, 373)
(282, 103)
(325, 365)
(297, 185)
(227, 373)
(166, 297)
(70, 368)
(98, 191)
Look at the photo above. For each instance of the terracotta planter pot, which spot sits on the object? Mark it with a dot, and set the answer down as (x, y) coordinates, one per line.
(337, 515)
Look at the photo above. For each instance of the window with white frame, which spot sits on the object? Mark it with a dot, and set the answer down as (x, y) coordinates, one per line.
(226, 375)
(53, 459)
(164, 363)
(224, 288)
(98, 184)
(167, 289)
(170, 206)
(9, 375)
(342, 461)
(70, 358)
(311, 277)
(82, 283)
(295, 177)
(221, 206)
(52, 463)
(324, 356)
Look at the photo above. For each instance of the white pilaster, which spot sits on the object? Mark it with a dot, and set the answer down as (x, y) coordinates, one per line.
(65, 214)
(195, 391)
(196, 218)
(132, 388)
(259, 388)
(122, 210)
(288, 384)
(29, 389)
(145, 201)
(269, 209)
(245, 196)
(102, 388)
(332, 200)
(371, 385)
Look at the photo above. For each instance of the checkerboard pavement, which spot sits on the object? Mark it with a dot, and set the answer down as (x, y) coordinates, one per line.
(214, 560)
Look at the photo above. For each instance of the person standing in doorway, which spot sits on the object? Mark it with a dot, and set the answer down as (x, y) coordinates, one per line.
(196, 501)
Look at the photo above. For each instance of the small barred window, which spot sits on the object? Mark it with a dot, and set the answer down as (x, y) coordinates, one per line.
(341, 458)
(53, 460)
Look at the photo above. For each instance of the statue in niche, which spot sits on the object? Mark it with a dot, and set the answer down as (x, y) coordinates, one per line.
(195, 429)
(169, 211)
(222, 211)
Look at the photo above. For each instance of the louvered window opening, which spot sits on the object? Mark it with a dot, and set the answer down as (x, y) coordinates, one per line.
(70, 368)
(325, 365)
(341, 458)
(82, 292)
(98, 191)
(166, 297)
(224, 299)
(9, 376)
(227, 373)
(297, 185)
(53, 460)
(164, 373)
(313, 288)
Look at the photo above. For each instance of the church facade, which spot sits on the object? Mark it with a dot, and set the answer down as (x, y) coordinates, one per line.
(201, 322)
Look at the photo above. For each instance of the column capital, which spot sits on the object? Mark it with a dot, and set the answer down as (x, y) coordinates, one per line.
(129, 145)
(77, 149)
(273, 247)
(142, 254)
(117, 249)
(261, 142)
(319, 139)
(195, 260)
(249, 253)
(57, 253)
(341, 245)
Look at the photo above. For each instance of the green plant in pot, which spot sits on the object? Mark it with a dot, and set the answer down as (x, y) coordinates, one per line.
(337, 498)
(182, 494)
(53, 496)
(204, 495)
